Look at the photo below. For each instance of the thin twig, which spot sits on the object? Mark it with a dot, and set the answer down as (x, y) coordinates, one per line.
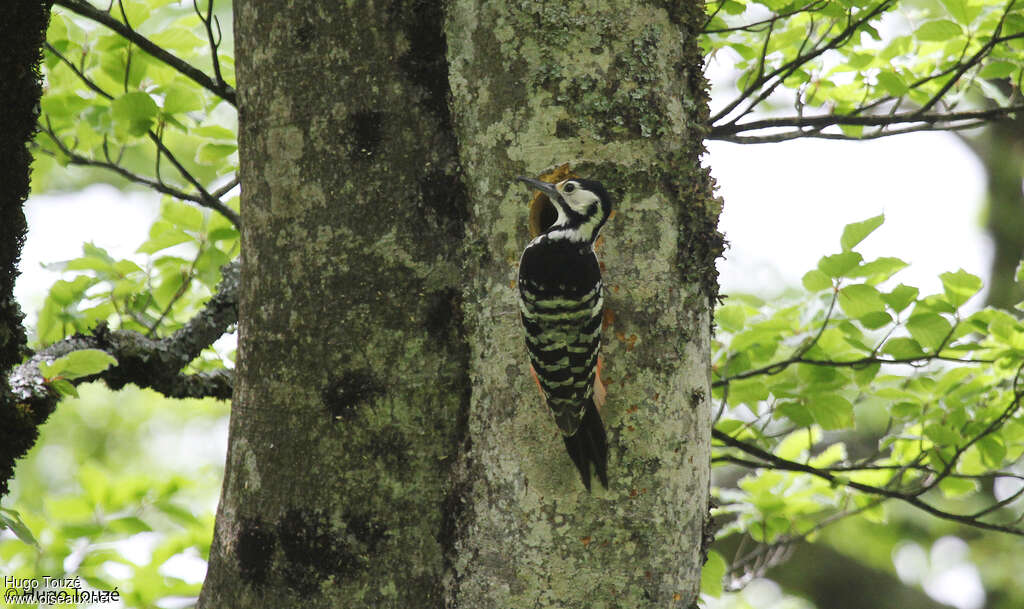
(771, 461)
(798, 61)
(204, 198)
(752, 27)
(874, 135)
(219, 87)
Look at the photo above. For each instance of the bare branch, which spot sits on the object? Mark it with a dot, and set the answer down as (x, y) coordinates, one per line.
(938, 118)
(208, 21)
(144, 361)
(217, 87)
(874, 135)
(76, 159)
(225, 189)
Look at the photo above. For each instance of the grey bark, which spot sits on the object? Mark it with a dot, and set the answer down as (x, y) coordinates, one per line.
(615, 89)
(386, 447)
(351, 382)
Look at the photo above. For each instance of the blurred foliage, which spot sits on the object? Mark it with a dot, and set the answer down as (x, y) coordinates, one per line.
(121, 488)
(120, 491)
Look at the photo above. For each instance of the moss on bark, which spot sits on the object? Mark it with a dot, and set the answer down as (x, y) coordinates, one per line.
(20, 53)
(351, 382)
(615, 89)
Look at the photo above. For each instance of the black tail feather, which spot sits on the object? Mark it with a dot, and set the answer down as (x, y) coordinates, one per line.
(589, 445)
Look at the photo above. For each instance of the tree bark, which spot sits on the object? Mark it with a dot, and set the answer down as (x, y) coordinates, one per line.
(20, 52)
(1001, 149)
(386, 447)
(351, 382)
(616, 90)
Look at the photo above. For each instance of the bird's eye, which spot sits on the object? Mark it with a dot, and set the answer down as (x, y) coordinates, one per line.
(569, 187)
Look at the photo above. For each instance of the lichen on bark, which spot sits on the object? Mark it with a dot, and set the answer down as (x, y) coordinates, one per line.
(351, 381)
(614, 89)
(386, 446)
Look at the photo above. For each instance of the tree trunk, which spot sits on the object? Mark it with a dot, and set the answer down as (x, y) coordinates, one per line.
(20, 51)
(351, 383)
(387, 448)
(616, 90)
(1001, 149)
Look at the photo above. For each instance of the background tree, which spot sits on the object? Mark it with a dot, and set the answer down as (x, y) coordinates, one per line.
(812, 403)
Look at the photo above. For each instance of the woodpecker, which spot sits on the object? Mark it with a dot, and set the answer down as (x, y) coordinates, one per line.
(562, 305)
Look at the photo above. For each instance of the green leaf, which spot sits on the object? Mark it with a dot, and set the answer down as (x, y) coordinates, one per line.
(838, 265)
(815, 281)
(215, 132)
(134, 113)
(65, 388)
(732, 7)
(797, 443)
(906, 410)
(880, 269)
(863, 376)
(860, 299)
(900, 297)
(892, 83)
(712, 574)
(958, 10)
(182, 215)
(858, 231)
(929, 329)
(180, 98)
(795, 411)
(830, 410)
(875, 320)
(163, 235)
(177, 513)
(12, 520)
(211, 153)
(903, 348)
(960, 286)
(65, 293)
(732, 317)
(128, 525)
(940, 30)
(992, 449)
(957, 487)
(77, 364)
(998, 69)
(941, 435)
(854, 131)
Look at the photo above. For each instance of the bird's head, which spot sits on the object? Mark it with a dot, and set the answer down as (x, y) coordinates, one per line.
(583, 206)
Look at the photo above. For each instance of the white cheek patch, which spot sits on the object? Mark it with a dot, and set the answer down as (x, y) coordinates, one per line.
(583, 202)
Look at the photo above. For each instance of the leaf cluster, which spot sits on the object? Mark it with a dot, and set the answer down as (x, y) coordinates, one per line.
(180, 270)
(865, 392)
(101, 504)
(939, 64)
(108, 103)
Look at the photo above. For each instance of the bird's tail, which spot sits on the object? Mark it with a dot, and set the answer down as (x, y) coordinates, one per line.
(589, 445)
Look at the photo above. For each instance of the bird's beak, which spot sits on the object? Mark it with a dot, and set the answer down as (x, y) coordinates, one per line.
(545, 187)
